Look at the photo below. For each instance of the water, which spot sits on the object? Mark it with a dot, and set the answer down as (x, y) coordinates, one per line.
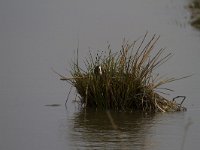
(37, 35)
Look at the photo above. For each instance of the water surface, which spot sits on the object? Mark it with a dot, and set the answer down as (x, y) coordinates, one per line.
(37, 35)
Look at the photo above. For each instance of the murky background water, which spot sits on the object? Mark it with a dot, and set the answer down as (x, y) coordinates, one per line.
(37, 35)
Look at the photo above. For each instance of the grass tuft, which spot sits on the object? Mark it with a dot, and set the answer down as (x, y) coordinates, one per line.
(127, 81)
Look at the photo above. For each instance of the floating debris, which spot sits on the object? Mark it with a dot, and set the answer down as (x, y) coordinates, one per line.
(53, 105)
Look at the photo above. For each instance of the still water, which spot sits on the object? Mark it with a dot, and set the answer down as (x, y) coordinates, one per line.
(38, 35)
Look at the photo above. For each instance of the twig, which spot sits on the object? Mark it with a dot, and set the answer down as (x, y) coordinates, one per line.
(184, 97)
(63, 77)
(162, 110)
(68, 96)
(71, 78)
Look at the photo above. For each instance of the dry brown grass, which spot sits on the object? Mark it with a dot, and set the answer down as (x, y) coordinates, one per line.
(127, 82)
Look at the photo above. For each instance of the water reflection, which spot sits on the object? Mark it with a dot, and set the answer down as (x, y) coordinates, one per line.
(93, 129)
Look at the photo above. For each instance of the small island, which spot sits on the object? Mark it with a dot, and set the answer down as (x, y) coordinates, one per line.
(124, 80)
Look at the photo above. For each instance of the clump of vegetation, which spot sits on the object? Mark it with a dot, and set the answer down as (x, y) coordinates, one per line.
(194, 8)
(124, 80)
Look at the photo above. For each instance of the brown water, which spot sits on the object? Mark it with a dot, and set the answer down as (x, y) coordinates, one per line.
(37, 35)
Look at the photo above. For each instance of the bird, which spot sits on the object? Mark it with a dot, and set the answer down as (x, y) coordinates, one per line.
(98, 70)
